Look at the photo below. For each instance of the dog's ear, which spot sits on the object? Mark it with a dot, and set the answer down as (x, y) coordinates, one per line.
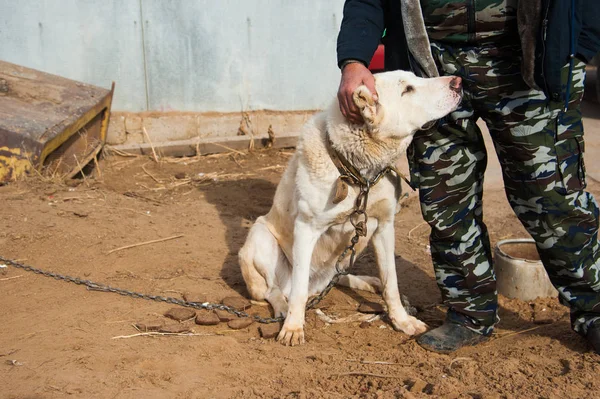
(370, 109)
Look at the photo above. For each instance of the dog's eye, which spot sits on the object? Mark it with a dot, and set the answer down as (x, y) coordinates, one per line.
(408, 89)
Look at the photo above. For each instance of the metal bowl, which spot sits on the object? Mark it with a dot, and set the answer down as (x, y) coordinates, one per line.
(520, 277)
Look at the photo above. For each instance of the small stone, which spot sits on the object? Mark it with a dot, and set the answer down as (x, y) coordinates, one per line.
(545, 316)
(224, 315)
(236, 302)
(73, 182)
(207, 319)
(567, 367)
(405, 394)
(146, 326)
(180, 175)
(174, 329)
(3, 86)
(346, 332)
(13, 362)
(269, 330)
(365, 324)
(180, 314)
(371, 307)
(240, 323)
(194, 297)
(418, 385)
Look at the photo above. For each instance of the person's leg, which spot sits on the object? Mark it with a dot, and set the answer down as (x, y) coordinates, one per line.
(451, 164)
(447, 165)
(540, 146)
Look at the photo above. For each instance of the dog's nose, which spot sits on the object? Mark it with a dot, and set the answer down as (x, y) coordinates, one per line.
(456, 84)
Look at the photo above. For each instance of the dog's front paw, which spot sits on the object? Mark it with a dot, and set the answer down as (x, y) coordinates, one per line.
(291, 336)
(409, 325)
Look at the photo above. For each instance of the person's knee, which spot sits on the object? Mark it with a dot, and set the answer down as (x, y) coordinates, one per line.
(551, 214)
(453, 216)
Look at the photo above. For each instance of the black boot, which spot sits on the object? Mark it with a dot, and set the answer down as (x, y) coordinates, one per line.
(593, 337)
(449, 337)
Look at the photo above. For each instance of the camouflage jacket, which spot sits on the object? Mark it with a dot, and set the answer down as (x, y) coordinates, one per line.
(551, 32)
(473, 21)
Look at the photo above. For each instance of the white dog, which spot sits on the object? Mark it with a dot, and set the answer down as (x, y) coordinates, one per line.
(290, 253)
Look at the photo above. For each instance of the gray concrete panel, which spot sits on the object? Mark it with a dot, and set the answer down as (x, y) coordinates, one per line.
(234, 55)
(94, 41)
(189, 55)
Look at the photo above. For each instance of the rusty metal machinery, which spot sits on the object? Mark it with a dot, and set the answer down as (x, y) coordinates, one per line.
(48, 123)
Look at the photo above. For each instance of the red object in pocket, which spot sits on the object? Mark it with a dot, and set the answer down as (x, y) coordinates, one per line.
(377, 62)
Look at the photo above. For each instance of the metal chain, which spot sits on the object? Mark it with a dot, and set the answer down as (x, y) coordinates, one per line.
(358, 218)
(360, 230)
(107, 288)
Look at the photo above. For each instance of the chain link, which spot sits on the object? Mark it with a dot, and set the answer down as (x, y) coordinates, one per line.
(107, 288)
(360, 230)
(358, 218)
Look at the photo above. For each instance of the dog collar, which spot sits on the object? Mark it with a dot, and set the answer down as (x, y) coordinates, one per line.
(350, 175)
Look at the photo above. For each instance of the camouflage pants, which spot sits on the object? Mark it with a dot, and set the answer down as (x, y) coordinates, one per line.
(540, 147)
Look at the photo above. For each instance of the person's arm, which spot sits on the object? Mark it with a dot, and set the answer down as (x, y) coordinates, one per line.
(362, 26)
(588, 44)
(361, 30)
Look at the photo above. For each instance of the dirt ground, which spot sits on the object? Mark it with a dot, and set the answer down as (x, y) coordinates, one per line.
(59, 339)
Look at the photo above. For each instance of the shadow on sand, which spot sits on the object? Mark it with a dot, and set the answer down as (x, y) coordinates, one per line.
(240, 202)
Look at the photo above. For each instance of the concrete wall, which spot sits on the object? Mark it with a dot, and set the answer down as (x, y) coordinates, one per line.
(183, 55)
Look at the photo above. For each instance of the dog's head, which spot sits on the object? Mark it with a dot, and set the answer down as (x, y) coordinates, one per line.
(406, 102)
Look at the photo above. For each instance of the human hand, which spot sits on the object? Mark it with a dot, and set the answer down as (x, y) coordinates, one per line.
(354, 75)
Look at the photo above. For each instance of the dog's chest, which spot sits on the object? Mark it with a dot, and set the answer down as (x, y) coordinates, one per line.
(380, 204)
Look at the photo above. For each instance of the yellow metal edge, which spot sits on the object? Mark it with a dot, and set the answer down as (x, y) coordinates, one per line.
(103, 106)
(106, 119)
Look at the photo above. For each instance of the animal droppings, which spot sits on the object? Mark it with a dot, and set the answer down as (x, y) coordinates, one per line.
(269, 330)
(174, 329)
(240, 323)
(206, 318)
(224, 315)
(236, 302)
(147, 326)
(194, 297)
(371, 307)
(180, 314)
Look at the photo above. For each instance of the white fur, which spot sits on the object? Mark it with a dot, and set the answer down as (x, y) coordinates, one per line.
(290, 252)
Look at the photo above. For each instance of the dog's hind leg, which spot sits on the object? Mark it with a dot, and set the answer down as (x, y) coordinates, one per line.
(277, 300)
(364, 283)
(262, 263)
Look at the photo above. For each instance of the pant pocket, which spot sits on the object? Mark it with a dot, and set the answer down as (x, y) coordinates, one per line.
(570, 147)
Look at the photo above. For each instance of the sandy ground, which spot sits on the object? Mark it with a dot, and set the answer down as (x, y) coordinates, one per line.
(58, 339)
